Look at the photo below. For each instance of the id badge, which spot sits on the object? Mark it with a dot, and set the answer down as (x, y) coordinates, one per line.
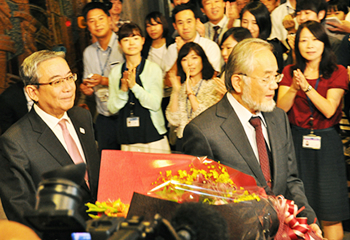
(133, 122)
(312, 141)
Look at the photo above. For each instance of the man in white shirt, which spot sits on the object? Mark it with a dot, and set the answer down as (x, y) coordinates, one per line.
(278, 30)
(98, 59)
(218, 22)
(185, 23)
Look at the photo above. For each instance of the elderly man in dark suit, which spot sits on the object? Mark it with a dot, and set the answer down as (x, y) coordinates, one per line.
(226, 132)
(52, 135)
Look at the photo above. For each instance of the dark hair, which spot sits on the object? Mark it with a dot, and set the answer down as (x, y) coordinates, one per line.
(262, 17)
(183, 7)
(338, 5)
(129, 30)
(207, 70)
(238, 34)
(313, 5)
(328, 61)
(95, 5)
(159, 18)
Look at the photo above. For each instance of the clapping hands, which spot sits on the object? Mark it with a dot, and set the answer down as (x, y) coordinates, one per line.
(299, 81)
(128, 80)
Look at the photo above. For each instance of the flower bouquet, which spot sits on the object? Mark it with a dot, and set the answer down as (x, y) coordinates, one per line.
(158, 183)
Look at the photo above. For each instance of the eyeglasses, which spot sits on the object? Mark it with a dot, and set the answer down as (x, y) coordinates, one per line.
(268, 80)
(61, 81)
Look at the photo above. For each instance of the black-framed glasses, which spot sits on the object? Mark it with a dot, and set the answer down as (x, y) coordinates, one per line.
(268, 80)
(59, 82)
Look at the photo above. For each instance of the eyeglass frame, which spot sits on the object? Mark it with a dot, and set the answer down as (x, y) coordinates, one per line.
(59, 81)
(278, 76)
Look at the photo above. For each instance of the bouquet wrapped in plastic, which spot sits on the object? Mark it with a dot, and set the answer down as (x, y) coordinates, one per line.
(158, 183)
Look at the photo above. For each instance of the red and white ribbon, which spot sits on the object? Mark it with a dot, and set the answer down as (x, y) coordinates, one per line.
(298, 227)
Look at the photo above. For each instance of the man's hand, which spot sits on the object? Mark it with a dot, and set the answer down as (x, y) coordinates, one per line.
(86, 90)
(316, 229)
(93, 81)
(179, 43)
(289, 24)
(232, 10)
(344, 27)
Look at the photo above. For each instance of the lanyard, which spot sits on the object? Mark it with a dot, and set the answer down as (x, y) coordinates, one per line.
(311, 122)
(107, 60)
(189, 115)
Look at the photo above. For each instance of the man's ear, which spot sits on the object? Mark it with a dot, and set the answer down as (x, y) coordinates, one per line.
(174, 25)
(236, 81)
(109, 19)
(321, 14)
(32, 92)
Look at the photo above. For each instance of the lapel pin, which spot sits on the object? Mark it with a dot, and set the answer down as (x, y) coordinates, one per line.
(82, 130)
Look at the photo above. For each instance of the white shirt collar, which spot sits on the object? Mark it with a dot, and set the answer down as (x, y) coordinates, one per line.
(197, 39)
(50, 120)
(221, 24)
(113, 38)
(288, 4)
(243, 114)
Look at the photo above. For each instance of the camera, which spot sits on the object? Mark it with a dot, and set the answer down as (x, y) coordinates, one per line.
(56, 214)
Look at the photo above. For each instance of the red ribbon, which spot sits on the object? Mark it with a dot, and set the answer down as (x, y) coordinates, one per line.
(298, 227)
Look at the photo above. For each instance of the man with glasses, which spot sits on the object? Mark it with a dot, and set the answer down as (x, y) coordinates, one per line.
(52, 135)
(246, 131)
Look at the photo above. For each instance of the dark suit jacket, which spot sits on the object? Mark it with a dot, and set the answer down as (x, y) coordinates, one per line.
(30, 148)
(218, 134)
(13, 106)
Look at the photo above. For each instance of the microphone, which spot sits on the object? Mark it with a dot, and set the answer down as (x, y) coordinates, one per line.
(199, 221)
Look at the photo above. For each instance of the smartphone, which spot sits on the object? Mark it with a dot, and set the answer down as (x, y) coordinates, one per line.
(333, 20)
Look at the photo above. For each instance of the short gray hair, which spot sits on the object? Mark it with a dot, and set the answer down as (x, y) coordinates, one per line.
(242, 59)
(29, 68)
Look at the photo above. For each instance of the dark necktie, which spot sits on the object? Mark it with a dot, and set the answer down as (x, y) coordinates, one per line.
(263, 156)
(216, 34)
(72, 146)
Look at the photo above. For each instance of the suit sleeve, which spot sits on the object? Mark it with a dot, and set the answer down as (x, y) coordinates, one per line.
(17, 189)
(295, 186)
(195, 142)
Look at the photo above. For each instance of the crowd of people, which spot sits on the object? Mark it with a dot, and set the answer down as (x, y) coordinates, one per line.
(198, 90)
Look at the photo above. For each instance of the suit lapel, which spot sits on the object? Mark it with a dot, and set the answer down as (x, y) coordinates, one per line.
(235, 132)
(48, 139)
(273, 138)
